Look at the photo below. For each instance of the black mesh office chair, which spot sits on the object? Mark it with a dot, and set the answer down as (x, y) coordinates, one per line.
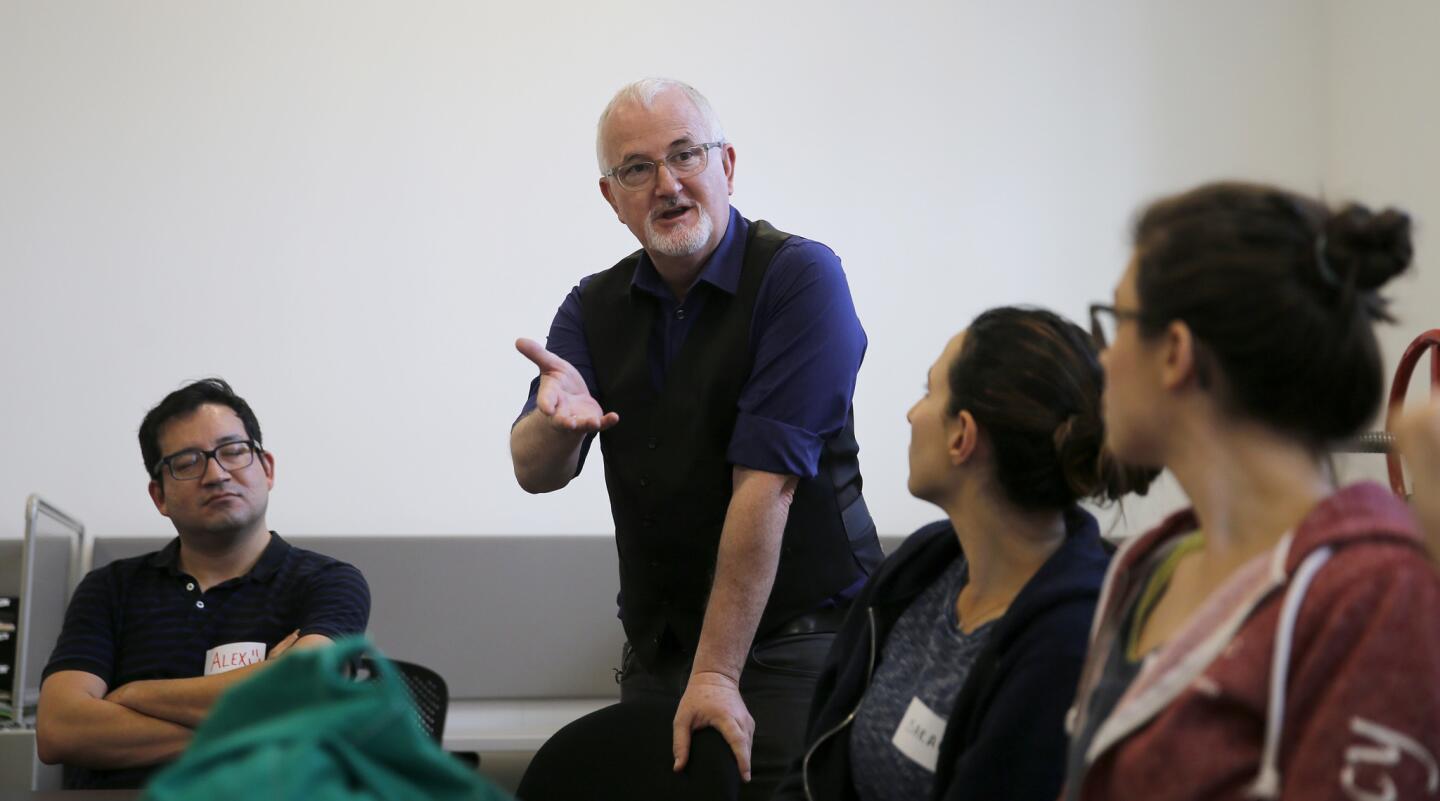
(622, 753)
(427, 690)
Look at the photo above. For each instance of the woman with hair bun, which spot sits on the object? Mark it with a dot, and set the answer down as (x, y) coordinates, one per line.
(1278, 638)
(952, 673)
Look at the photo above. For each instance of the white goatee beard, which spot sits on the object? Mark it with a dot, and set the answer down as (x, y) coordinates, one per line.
(681, 242)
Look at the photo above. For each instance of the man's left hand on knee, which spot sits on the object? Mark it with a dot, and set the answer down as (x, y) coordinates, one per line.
(713, 700)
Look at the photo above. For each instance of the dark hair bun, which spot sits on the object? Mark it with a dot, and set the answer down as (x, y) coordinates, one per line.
(1089, 470)
(1077, 443)
(1032, 380)
(1283, 293)
(1366, 248)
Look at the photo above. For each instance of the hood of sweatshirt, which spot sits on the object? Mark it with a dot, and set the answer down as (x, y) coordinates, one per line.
(1071, 574)
(1354, 515)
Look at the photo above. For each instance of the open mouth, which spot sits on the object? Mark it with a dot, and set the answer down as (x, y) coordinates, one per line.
(673, 213)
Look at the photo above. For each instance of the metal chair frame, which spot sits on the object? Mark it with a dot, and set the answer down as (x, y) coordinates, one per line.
(1428, 341)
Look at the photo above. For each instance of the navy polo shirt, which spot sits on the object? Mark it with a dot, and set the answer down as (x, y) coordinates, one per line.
(805, 340)
(143, 618)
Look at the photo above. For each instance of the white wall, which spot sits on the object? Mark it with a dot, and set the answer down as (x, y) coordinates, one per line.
(1384, 123)
(350, 210)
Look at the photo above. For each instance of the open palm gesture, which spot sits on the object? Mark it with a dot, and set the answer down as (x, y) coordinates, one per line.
(563, 397)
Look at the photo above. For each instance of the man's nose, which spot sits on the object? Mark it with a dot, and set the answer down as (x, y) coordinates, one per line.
(214, 471)
(666, 183)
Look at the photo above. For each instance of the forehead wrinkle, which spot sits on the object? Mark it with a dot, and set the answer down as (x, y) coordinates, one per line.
(623, 126)
(218, 442)
(634, 149)
(232, 424)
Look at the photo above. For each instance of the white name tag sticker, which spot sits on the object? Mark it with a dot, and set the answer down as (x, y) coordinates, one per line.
(919, 733)
(233, 656)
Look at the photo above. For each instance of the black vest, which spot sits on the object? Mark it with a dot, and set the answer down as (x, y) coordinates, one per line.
(667, 474)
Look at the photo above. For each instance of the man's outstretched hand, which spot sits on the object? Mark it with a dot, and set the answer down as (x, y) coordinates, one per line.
(563, 398)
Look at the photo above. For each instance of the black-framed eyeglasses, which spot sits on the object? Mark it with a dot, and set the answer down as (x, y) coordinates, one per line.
(1105, 319)
(638, 174)
(190, 464)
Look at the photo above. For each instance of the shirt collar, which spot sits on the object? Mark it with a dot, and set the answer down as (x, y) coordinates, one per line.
(721, 270)
(168, 558)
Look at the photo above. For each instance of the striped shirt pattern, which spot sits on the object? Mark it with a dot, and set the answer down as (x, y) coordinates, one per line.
(142, 618)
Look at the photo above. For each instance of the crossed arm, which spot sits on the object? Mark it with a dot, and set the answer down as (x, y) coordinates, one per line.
(82, 722)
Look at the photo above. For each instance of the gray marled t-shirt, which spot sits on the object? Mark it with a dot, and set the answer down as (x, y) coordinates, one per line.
(922, 668)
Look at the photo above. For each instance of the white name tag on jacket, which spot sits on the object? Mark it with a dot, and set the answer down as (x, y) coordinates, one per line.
(233, 656)
(919, 733)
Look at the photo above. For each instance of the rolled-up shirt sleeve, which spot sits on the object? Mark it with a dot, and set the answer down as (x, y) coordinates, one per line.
(567, 340)
(808, 345)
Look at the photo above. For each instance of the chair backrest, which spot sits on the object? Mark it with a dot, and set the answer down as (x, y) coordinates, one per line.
(622, 753)
(427, 690)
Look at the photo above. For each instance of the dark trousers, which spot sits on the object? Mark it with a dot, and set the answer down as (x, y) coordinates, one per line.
(776, 685)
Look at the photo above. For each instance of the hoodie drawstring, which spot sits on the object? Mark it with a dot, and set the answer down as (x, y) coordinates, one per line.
(1267, 783)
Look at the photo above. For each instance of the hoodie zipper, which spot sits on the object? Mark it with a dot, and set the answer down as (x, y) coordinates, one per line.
(869, 672)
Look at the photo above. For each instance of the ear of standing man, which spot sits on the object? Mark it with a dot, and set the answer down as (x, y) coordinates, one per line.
(717, 364)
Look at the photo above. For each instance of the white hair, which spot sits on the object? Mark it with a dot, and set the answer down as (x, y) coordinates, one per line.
(643, 92)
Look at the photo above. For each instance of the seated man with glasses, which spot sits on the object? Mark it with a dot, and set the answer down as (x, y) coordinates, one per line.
(151, 641)
(718, 364)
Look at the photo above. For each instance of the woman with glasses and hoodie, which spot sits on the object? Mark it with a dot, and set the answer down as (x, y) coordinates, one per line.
(1278, 639)
(952, 673)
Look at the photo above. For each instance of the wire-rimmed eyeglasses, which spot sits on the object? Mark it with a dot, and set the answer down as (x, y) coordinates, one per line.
(638, 173)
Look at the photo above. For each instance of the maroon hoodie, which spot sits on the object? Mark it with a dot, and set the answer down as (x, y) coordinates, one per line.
(1313, 673)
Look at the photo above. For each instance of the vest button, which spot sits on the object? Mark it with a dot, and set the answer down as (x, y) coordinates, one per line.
(651, 443)
(679, 314)
(647, 521)
(644, 481)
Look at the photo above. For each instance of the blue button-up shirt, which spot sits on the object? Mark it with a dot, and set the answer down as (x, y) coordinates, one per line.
(806, 343)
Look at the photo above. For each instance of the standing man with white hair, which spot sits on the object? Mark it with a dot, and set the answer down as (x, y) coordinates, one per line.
(718, 365)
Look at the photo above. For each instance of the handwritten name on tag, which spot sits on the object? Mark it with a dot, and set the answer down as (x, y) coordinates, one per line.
(232, 656)
(919, 733)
